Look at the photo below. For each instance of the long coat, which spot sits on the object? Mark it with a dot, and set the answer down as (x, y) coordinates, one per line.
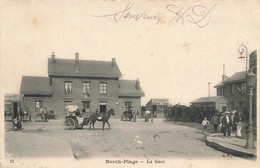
(224, 120)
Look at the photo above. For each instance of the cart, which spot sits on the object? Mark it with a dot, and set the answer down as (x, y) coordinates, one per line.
(72, 121)
(127, 114)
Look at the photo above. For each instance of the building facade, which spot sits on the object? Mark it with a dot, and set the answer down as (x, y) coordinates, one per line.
(12, 104)
(158, 106)
(210, 104)
(234, 88)
(94, 86)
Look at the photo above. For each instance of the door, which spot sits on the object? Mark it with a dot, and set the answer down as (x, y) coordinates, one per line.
(102, 107)
(154, 111)
(15, 111)
(85, 106)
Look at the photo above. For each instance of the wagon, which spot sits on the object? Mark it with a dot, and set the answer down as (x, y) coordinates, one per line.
(71, 120)
(127, 115)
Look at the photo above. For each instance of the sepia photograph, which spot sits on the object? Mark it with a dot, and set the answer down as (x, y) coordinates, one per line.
(110, 83)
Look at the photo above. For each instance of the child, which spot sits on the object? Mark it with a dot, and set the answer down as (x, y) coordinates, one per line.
(205, 123)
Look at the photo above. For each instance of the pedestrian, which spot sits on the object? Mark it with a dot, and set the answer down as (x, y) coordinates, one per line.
(151, 118)
(215, 122)
(238, 120)
(133, 115)
(147, 115)
(21, 114)
(234, 125)
(205, 123)
(226, 124)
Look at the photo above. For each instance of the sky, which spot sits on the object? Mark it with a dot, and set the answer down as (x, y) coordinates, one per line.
(171, 55)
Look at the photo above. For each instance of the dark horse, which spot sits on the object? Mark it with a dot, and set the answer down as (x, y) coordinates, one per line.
(104, 117)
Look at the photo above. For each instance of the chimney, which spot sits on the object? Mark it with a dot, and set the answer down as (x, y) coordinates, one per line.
(224, 76)
(137, 85)
(113, 62)
(76, 62)
(53, 58)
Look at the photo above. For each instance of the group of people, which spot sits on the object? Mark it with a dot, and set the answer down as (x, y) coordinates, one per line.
(225, 122)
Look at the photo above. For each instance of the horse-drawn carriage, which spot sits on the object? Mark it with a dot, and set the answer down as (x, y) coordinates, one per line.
(75, 120)
(127, 115)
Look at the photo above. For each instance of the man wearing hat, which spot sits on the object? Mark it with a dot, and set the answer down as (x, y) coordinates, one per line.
(226, 123)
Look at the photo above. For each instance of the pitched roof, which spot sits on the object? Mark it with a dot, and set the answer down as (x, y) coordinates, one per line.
(32, 85)
(157, 101)
(237, 77)
(13, 98)
(220, 84)
(87, 68)
(128, 88)
(208, 99)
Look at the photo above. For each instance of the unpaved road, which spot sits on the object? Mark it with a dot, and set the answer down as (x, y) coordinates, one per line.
(159, 139)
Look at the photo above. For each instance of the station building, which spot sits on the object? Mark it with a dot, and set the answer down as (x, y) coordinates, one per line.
(91, 85)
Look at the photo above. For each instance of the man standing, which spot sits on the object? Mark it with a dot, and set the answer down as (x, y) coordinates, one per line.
(226, 123)
(215, 122)
(238, 120)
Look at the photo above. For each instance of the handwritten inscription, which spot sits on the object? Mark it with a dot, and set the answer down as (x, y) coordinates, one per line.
(127, 14)
(198, 15)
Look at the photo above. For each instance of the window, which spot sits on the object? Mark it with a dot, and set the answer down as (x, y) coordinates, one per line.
(128, 105)
(85, 87)
(241, 87)
(85, 106)
(68, 87)
(224, 108)
(222, 91)
(233, 89)
(103, 88)
(38, 104)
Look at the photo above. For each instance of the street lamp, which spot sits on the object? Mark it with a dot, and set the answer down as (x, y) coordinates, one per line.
(241, 49)
(251, 82)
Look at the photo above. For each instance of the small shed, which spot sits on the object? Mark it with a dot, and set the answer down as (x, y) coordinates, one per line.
(210, 104)
(158, 106)
(12, 103)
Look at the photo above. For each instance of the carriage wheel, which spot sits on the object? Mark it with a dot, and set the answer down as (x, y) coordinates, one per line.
(79, 126)
(69, 123)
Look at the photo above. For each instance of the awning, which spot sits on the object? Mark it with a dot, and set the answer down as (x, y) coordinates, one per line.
(14, 98)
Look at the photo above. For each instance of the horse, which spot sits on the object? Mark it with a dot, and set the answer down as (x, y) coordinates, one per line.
(101, 117)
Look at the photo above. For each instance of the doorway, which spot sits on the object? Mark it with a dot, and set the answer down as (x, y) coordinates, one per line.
(102, 107)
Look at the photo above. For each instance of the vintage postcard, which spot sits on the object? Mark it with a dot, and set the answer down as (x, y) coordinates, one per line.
(110, 83)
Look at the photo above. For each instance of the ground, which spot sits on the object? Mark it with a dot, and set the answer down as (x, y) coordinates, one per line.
(160, 139)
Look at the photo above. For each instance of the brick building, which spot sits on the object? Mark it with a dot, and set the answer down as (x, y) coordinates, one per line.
(235, 90)
(91, 85)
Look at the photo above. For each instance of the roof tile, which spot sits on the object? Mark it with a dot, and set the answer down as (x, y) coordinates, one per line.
(87, 68)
